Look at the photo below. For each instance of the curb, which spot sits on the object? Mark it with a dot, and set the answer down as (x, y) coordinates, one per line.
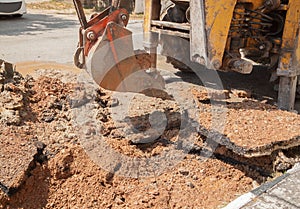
(248, 197)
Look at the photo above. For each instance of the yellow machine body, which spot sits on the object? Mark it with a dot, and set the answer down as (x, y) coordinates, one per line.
(230, 35)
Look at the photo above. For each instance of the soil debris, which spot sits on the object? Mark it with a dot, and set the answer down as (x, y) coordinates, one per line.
(13, 92)
(251, 128)
(27, 106)
(65, 174)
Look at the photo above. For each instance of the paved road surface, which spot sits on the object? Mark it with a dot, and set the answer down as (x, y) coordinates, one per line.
(39, 36)
(283, 192)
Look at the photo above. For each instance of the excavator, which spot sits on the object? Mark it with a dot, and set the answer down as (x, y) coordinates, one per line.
(229, 35)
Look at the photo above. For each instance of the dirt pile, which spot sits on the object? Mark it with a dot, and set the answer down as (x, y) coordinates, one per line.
(64, 176)
(62, 173)
(16, 153)
(27, 107)
(71, 180)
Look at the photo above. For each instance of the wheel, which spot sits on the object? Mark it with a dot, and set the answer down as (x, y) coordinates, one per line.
(17, 15)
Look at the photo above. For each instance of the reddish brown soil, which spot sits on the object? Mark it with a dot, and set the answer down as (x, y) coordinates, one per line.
(251, 123)
(70, 179)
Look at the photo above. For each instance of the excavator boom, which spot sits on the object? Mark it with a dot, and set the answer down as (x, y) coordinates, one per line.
(106, 51)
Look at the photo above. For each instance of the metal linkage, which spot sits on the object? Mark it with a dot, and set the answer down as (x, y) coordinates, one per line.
(91, 30)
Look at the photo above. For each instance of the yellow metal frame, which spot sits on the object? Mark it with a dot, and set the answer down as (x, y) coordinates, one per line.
(218, 18)
(290, 52)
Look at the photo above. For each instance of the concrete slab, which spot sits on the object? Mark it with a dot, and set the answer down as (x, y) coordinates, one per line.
(267, 201)
(16, 157)
(283, 192)
(288, 189)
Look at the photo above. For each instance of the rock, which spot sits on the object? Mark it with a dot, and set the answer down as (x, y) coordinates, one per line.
(190, 184)
(9, 117)
(6, 70)
(113, 102)
(16, 159)
(184, 172)
(11, 100)
(213, 95)
(70, 135)
(39, 145)
(241, 93)
(11, 94)
(62, 167)
(48, 117)
(119, 200)
(219, 95)
(155, 193)
(79, 97)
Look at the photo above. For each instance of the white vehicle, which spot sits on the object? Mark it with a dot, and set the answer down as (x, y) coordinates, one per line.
(12, 7)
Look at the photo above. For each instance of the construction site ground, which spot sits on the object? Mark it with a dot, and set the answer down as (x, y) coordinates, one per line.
(59, 130)
(44, 162)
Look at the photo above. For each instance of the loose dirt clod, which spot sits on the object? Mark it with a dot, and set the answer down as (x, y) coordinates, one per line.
(12, 93)
(241, 93)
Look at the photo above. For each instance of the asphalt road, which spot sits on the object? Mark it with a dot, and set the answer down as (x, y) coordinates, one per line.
(40, 36)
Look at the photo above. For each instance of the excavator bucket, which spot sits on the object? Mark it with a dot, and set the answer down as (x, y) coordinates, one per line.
(115, 66)
(106, 52)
